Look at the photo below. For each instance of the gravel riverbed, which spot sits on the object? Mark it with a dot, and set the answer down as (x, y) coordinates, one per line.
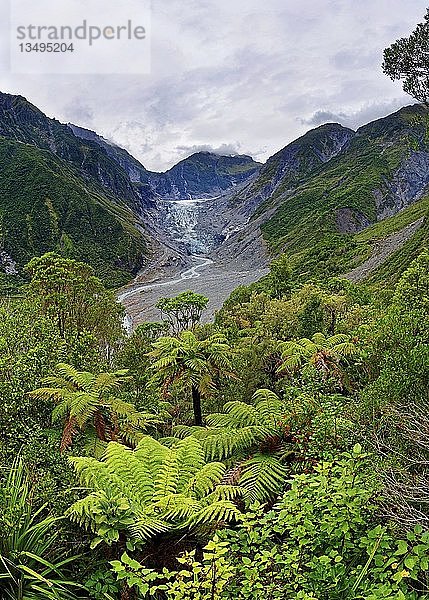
(204, 277)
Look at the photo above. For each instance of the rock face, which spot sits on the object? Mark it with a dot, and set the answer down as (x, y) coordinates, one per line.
(350, 221)
(203, 175)
(409, 182)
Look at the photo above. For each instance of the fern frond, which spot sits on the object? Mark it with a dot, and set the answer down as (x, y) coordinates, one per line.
(334, 340)
(346, 349)
(147, 527)
(263, 477)
(183, 431)
(242, 414)
(167, 477)
(50, 393)
(177, 507)
(190, 459)
(81, 379)
(207, 478)
(222, 511)
(225, 492)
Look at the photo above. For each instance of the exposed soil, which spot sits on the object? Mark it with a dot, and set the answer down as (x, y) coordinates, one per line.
(204, 277)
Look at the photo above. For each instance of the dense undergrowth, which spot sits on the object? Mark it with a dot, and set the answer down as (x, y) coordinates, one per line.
(279, 452)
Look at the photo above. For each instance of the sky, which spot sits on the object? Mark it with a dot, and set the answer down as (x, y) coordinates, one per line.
(236, 76)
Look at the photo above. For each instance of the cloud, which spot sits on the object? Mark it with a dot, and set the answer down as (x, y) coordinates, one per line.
(231, 149)
(242, 75)
(365, 114)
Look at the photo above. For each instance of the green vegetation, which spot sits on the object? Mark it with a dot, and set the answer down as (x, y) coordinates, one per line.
(46, 205)
(326, 199)
(183, 311)
(280, 451)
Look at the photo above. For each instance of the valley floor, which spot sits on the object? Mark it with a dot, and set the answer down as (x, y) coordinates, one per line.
(204, 277)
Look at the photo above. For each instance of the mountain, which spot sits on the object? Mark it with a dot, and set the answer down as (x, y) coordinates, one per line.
(336, 201)
(313, 198)
(204, 174)
(58, 192)
(201, 175)
(23, 122)
(65, 188)
(298, 160)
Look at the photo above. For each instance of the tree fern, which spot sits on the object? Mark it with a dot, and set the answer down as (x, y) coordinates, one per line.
(85, 401)
(254, 435)
(151, 490)
(191, 364)
(325, 354)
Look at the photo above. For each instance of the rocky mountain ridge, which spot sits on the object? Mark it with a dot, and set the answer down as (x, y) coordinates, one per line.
(200, 175)
(314, 199)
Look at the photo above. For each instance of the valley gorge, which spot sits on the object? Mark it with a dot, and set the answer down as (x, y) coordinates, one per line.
(328, 200)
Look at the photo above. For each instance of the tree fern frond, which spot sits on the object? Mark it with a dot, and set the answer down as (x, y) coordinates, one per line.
(183, 431)
(167, 477)
(318, 338)
(48, 393)
(241, 413)
(207, 478)
(190, 459)
(346, 349)
(217, 420)
(263, 477)
(177, 507)
(334, 340)
(225, 492)
(60, 411)
(82, 379)
(147, 527)
(220, 511)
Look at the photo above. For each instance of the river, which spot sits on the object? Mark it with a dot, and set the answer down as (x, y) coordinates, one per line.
(216, 282)
(185, 222)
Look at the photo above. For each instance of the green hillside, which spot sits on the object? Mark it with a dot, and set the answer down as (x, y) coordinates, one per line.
(315, 223)
(45, 204)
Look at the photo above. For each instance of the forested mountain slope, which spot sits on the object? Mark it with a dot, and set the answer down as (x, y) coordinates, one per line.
(315, 195)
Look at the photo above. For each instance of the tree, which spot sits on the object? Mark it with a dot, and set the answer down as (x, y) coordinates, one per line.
(407, 59)
(183, 311)
(86, 400)
(324, 354)
(68, 292)
(280, 277)
(194, 364)
(151, 490)
(28, 544)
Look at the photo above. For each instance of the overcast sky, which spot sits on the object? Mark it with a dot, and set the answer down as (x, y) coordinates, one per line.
(244, 76)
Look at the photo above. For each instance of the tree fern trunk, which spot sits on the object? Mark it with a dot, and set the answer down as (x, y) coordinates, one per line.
(196, 404)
